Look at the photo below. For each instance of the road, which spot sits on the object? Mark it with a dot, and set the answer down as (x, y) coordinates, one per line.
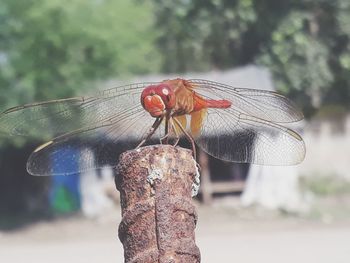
(221, 237)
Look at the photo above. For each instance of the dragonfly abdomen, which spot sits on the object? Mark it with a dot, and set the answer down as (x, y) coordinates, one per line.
(220, 104)
(201, 103)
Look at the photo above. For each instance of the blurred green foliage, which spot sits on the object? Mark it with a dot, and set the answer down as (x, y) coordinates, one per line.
(53, 49)
(305, 43)
(200, 35)
(326, 185)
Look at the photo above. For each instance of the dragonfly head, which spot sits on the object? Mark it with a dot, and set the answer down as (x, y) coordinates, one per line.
(157, 99)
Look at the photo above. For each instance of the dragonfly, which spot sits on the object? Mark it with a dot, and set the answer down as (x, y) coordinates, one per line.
(229, 123)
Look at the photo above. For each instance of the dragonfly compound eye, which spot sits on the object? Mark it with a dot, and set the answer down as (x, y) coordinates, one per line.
(154, 105)
(167, 95)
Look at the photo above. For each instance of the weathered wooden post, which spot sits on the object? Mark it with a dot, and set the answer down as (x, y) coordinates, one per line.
(156, 185)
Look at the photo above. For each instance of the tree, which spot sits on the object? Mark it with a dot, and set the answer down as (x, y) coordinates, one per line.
(52, 49)
(306, 52)
(304, 43)
(198, 35)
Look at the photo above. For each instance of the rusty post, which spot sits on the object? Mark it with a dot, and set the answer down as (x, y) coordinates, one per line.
(156, 184)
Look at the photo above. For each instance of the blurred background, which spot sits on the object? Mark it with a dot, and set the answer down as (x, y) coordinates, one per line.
(52, 49)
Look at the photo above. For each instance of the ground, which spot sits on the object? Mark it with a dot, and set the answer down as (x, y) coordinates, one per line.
(223, 234)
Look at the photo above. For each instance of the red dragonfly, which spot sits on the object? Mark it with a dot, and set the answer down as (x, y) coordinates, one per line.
(232, 124)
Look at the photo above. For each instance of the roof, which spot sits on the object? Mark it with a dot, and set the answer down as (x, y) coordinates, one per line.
(250, 76)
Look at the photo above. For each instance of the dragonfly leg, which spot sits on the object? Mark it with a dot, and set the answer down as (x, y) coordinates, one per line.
(189, 137)
(176, 133)
(165, 138)
(151, 131)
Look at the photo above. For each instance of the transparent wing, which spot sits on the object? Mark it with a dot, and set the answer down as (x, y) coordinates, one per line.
(105, 142)
(112, 120)
(230, 135)
(267, 105)
(56, 117)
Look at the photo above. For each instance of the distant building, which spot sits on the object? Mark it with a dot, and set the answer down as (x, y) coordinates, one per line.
(251, 76)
